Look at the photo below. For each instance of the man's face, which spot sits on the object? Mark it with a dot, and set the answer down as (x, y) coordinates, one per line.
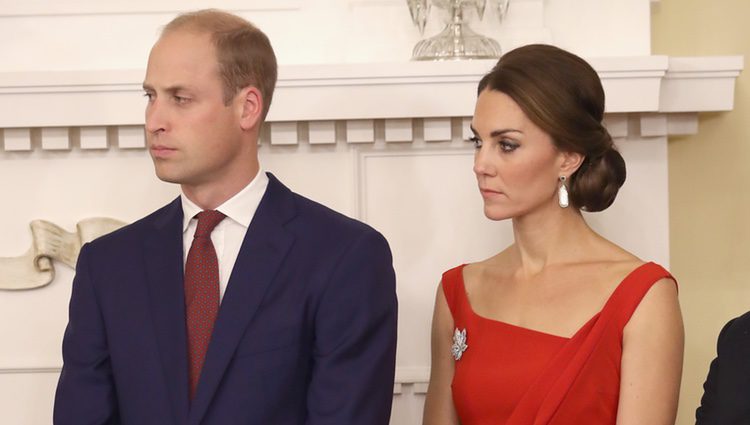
(193, 137)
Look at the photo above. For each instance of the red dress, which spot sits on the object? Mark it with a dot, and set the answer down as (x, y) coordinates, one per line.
(516, 376)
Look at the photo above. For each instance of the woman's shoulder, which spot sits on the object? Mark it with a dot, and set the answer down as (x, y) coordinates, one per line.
(654, 299)
(620, 266)
(637, 280)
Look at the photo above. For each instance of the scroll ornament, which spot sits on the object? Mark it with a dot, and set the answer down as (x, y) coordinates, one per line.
(50, 242)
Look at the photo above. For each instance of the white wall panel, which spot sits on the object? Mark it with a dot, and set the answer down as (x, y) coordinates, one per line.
(323, 173)
(24, 397)
(639, 219)
(426, 204)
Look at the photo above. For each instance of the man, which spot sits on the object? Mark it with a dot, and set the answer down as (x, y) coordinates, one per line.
(726, 392)
(240, 302)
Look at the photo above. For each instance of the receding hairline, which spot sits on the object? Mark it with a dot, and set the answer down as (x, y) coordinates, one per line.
(243, 51)
(208, 21)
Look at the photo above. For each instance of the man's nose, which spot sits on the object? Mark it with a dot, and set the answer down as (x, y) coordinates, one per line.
(156, 117)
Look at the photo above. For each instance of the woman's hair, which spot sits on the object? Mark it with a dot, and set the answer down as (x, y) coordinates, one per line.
(562, 94)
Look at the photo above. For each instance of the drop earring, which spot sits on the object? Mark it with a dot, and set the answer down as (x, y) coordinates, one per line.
(562, 193)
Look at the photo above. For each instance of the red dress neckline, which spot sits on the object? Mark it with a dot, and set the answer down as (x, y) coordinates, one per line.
(520, 328)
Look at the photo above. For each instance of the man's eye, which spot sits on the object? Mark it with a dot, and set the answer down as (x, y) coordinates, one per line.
(149, 96)
(181, 100)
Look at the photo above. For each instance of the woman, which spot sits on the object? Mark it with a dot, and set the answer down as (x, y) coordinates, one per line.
(563, 326)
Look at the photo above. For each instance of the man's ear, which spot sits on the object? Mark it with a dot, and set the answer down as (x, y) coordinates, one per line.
(571, 161)
(251, 107)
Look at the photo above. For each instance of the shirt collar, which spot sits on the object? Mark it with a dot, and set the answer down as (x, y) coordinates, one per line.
(240, 208)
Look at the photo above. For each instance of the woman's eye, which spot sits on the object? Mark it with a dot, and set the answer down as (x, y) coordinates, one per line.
(477, 141)
(507, 146)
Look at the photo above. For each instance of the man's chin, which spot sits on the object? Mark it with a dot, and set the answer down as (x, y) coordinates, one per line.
(168, 177)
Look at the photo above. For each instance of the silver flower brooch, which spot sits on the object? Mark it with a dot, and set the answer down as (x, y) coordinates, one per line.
(459, 343)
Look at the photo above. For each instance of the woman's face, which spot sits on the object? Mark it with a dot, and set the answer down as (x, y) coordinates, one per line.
(516, 164)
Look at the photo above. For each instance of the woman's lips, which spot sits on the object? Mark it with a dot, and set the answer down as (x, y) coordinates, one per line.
(488, 193)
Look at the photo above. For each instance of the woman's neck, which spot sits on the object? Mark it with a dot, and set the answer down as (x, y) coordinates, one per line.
(549, 236)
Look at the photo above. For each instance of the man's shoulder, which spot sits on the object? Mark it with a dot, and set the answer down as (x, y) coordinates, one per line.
(312, 211)
(330, 231)
(138, 229)
(734, 338)
(311, 216)
(739, 326)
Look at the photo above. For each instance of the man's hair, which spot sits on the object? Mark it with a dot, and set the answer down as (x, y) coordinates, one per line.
(243, 51)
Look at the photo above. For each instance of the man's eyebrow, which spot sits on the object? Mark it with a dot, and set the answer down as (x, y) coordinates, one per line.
(170, 89)
(496, 133)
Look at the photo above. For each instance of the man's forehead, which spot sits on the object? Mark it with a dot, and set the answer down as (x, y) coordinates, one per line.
(177, 44)
(177, 53)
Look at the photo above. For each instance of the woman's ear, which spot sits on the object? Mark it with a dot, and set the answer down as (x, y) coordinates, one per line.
(251, 107)
(571, 161)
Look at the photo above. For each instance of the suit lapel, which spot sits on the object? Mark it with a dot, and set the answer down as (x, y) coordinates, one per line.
(263, 250)
(163, 258)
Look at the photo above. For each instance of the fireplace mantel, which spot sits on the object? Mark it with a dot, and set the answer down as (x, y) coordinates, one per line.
(101, 109)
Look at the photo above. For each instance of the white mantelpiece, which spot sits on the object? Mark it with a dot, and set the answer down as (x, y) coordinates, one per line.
(659, 88)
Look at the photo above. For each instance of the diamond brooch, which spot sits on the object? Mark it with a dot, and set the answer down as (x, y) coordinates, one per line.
(459, 343)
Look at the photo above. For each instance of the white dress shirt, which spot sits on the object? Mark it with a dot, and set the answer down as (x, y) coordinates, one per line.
(228, 235)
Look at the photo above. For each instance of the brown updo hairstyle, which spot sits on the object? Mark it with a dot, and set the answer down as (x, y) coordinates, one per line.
(562, 94)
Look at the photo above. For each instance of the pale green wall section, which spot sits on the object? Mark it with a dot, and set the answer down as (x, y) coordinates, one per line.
(709, 185)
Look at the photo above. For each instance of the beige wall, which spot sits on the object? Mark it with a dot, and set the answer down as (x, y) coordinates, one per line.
(709, 183)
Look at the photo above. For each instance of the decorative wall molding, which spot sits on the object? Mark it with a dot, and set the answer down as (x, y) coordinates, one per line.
(415, 379)
(29, 370)
(50, 242)
(104, 109)
(419, 376)
(94, 7)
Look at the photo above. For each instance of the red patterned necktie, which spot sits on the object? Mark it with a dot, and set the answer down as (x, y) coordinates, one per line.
(201, 294)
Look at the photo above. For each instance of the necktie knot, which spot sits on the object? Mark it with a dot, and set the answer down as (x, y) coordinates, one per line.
(207, 221)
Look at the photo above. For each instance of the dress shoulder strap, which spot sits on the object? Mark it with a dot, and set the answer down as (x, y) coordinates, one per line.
(629, 293)
(453, 288)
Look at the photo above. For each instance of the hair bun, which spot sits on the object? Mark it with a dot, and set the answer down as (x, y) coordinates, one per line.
(596, 183)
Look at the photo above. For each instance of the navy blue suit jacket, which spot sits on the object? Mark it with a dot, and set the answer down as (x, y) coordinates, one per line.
(306, 331)
(726, 392)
